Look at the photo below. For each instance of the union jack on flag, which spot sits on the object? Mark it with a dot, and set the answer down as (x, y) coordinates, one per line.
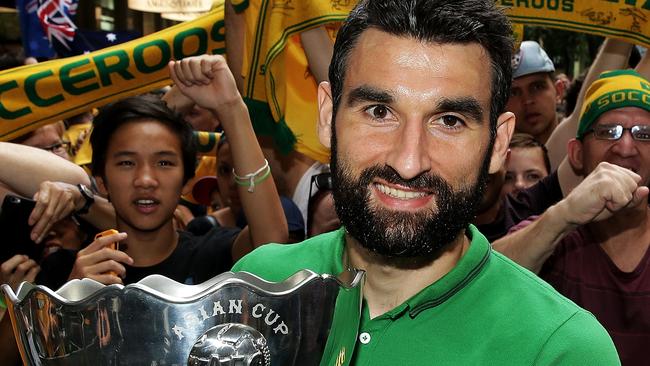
(56, 19)
(35, 42)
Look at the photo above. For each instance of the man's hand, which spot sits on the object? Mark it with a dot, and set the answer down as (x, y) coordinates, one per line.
(54, 201)
(608, 189)
(177, 101)
(17, 269)
(206, 80)
(101, 263)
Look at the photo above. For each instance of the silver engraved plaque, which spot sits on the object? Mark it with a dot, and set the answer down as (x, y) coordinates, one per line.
(234, 319)
(230, 344)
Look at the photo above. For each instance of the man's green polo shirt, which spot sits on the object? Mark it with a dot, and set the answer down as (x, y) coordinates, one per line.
(486, 311)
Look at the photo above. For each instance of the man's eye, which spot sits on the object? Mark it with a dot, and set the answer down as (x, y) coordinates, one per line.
(534, 177)
(125, 163)
(451, 121)
(378, 111)
(165, 163)
(509, 177)
(539, 86)
(515, 92)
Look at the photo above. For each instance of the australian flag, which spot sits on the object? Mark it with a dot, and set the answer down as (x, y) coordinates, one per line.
(35, 41)
(57, 20)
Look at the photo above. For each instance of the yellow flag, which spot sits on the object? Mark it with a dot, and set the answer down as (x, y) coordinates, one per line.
(35, 95)
(623, 19)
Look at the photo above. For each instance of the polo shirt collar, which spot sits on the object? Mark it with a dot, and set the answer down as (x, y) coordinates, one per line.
(467, 268)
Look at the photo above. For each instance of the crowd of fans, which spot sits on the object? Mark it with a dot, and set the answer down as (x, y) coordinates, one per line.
(574, 177)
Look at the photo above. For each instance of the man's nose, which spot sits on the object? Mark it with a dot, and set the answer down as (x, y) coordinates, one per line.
(408, 155)
(527, 97)
(520, 182)
(626, 145)
(146, 177)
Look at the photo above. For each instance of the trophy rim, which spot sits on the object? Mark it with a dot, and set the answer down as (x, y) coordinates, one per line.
(79, 291)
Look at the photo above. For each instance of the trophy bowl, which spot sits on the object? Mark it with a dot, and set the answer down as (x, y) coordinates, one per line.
(232, 319)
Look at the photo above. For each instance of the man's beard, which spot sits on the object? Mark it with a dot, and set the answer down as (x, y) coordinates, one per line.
(393, 234)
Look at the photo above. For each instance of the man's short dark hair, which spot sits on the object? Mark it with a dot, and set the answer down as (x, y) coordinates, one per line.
(134, 109)
(439, 21)
(526, 141)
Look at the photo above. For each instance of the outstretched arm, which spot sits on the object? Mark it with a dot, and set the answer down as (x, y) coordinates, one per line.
(26, 167)
(318, 49)
(235, 41)
(643, 67)
(51, 181)
(209, 83)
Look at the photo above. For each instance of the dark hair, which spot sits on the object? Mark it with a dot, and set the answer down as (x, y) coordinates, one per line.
(10, 61)
(436, 21)
(137, 109)
(524, 140)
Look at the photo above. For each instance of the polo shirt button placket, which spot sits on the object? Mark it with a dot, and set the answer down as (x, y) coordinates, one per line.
(364, 338)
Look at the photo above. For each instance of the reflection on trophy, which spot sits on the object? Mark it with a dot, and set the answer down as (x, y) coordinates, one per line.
(232, 319)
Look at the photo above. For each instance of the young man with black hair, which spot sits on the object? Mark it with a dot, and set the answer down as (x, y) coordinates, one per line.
(143, 154)
(414, 117)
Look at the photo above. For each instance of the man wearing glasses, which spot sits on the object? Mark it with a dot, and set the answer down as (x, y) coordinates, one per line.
(48, 137)
(593, 245)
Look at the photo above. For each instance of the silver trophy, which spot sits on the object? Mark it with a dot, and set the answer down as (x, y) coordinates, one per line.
(234, 319)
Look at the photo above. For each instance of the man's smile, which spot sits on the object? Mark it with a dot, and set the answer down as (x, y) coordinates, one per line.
(146, 205)
(400, 197)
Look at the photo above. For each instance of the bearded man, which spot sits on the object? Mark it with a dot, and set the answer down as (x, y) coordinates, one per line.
(414, 115)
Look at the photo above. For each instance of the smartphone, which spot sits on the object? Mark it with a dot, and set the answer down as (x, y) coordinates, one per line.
(15, 230)
(113, 245)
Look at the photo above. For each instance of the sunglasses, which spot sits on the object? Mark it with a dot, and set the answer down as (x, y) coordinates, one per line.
(614, 132)
(322, 181)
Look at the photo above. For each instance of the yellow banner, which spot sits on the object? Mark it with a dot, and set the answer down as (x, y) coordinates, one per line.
(623, 19)
(169, 6)
(34, 95)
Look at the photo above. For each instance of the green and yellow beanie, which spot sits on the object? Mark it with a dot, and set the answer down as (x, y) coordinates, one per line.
(613, 90)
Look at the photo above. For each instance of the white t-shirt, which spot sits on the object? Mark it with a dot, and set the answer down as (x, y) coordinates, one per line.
(301, 194)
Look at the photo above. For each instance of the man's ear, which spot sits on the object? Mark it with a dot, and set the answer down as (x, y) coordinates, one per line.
(325, 109)
(101, 186)
(559, 90)
(574, 155)
(505, 128)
